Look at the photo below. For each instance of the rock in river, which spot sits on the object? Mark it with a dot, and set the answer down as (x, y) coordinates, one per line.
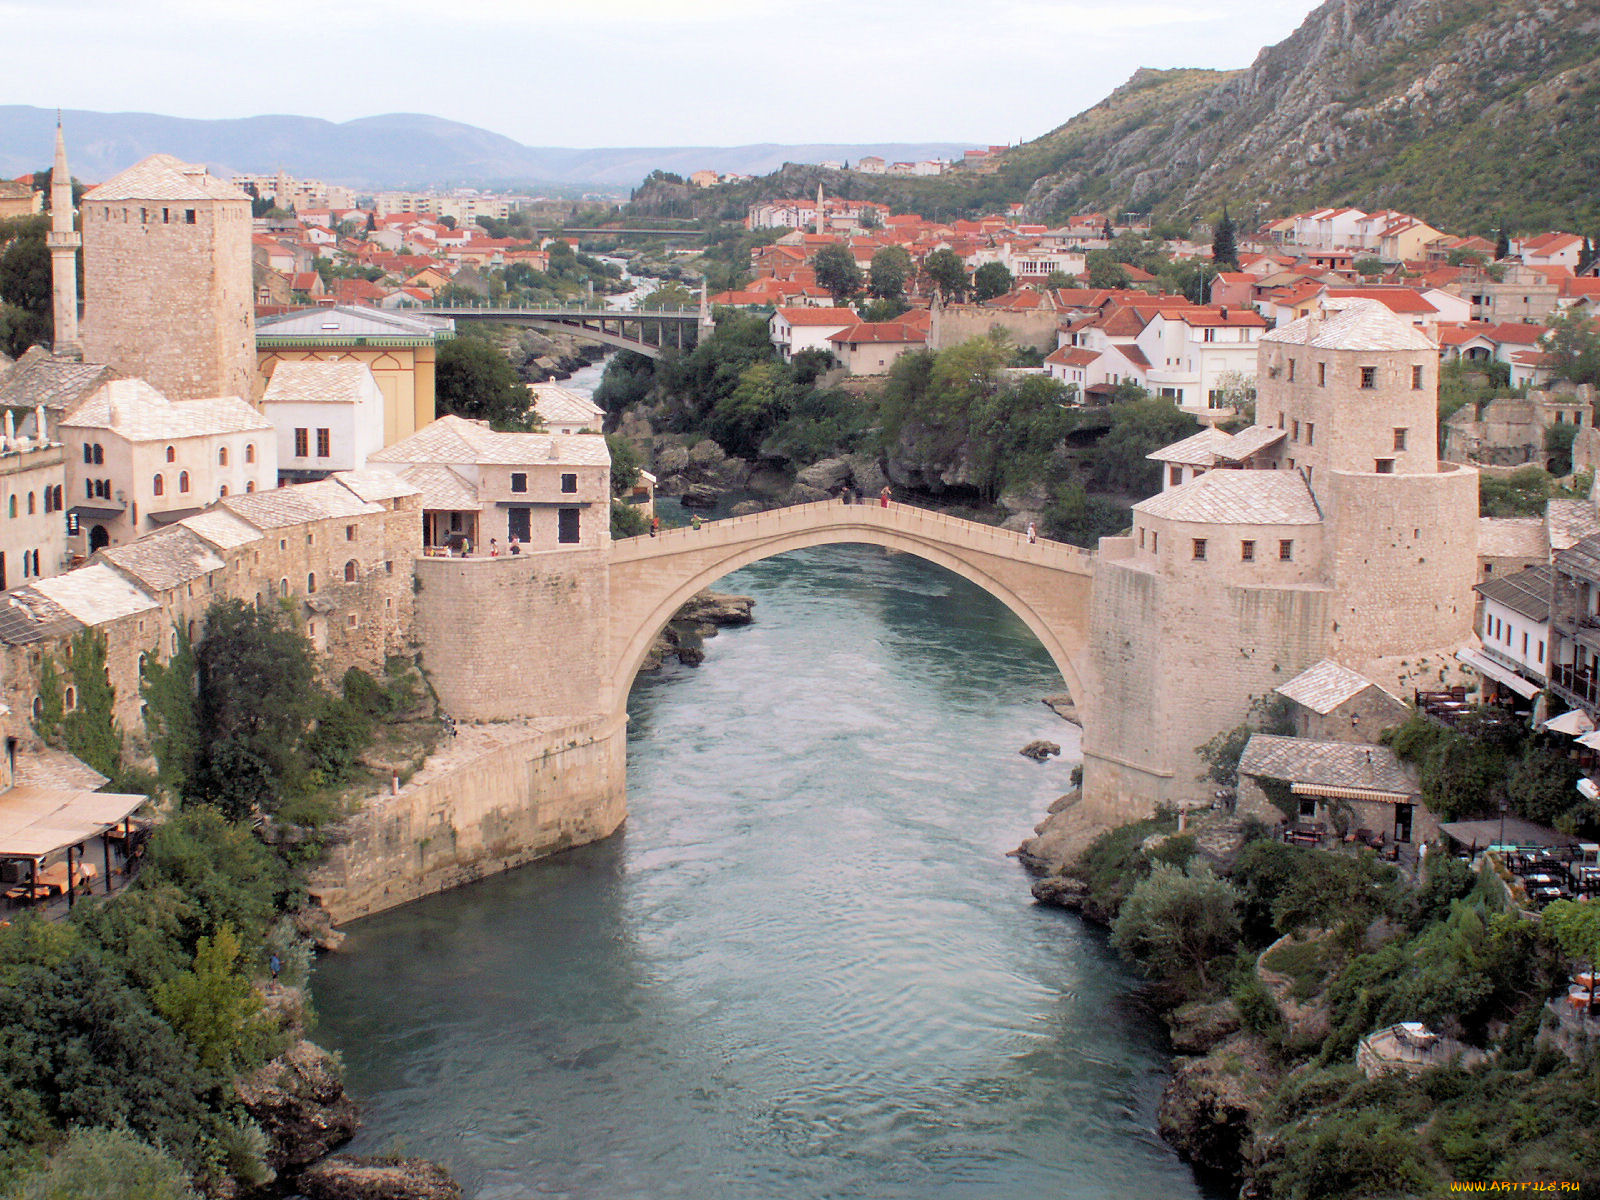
(1039, 750)
(299, 1101)
(348, 1177)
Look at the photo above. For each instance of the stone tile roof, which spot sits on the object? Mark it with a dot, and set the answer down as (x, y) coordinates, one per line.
(1512, 537)
(1569, 522)
(163, 177)
(1353, 325)
(319, 383)
(340, 321)
(49, 768)
(1328, 764)
(96, 594)
(1196, 450)
(557, 405)
(1237, 498)
(166, 558)
(1324, 686)
(1582, 559)
(374, 486)
(221, 528)
(29, 616)
(60, 384)
(1527, 592)
(455, 441)
(1250, 440)
(135, 410)
(281, 507)
(443, 489)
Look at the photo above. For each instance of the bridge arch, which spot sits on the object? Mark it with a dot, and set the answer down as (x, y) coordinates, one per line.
(1045, 584)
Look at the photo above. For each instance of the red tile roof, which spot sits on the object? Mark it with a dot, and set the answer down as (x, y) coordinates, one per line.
(819, 316)
(879, 332)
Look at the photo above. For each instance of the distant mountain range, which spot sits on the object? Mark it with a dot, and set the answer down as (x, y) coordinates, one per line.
(394, 151)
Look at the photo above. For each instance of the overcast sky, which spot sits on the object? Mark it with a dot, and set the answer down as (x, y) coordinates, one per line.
(628, 72)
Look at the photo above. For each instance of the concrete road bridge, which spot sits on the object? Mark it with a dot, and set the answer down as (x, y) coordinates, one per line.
(644, 331)
(1045, 583)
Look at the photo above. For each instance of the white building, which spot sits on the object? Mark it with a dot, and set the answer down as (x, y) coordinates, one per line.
(1191, 351)
(328, 417)
(794, 330)
(1514, 627)
(565, 411)
(137, 461)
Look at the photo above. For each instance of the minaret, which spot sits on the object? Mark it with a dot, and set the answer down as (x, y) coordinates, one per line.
(822, 217)
(63, 241)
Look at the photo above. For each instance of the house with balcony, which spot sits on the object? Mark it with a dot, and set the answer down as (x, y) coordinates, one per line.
(1574, 650)
(1514, 629)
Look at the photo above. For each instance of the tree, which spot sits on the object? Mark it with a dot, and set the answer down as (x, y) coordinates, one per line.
(837, 271)
(1105, 271)
(1502, 244)
(372, 221)
(256, 686)
(109, 1164)
(990, 280)
(1367, 265)
(742, 419)
(1059, 279)
(1573, 344)
(1175, 921)
(1575, 927)
(26, 312)
(948, 273)
(473, 379)
(214, 1008)
(1224, 245)
(891, 268)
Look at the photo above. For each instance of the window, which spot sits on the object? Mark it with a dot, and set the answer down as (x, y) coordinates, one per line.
(222, 491)
(1174, 475)
(172, 454)
(1141, 538)
(183, 481)
(1311, 433)
(1524, 643)
(11, 507)
(567, 527)
(159, 485)
(350, 571)
(1322, 374)
(1384, 466)
(1247, 551)
(1199, 548)
(569, 482)
(517, 524)
(519, 481)
(188, 216)
(388, 568)
(1541, 652)
(99, 454)
(1369, 378)
(311, 583)
(283, 587)
(302, 443)
(1155, 540)
(1280, 420)
(1291, 370)
(1416, 379)
(352, 620)
(1295, 435)
(222, 456)
(30, 504)
(88, 488)
(1286, 550)
(249, 485)
(250, 452)
(88, 453)
(324, 443)
(72, 698)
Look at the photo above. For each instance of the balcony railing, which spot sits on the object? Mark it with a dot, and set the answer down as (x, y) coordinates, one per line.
(1579, 685)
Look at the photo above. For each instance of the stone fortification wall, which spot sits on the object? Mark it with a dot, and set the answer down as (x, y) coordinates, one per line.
(1404, 559)
(957, 323)
(496, 798)
(1177, 659)
(169, 299)
(515, 637)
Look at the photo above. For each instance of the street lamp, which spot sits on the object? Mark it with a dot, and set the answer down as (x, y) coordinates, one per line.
(1503, 806)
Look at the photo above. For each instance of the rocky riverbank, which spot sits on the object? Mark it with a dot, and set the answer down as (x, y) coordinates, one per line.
(684, 636)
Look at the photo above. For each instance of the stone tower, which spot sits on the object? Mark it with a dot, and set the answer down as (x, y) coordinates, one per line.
(168, 295)
(822, 213)
(64, 241)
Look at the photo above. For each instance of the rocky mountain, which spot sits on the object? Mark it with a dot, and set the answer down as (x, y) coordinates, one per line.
(1459, 110)
(391, 151)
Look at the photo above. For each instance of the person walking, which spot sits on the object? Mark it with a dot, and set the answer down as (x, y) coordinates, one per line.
(655, 526)
(883, 497)
(694, 521)
(274, 964)
(494, 548)
(1033, 532)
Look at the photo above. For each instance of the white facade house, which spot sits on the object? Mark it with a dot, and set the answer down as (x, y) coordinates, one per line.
(328, 417)
(565, 411)
(137, 461)
(1514, 622)
(795, 330)
(1191, 351)
(1029, 264)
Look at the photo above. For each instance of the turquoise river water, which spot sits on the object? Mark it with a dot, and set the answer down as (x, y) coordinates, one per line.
(806, 967)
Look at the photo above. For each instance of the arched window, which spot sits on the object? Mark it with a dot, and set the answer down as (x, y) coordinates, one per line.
(223, 490)
(172, 454)
(36, 564)
(222, 456)
(11, 506)
(49, 499)
(38, 707)
(99, 454)
(159, 487)
(350, 571)
(174, 641)
(31, 508)
(88, 453)
(283, 587)
(311, 583)
(249, 485)
(250, 452)
(183, 481)
(72, 698)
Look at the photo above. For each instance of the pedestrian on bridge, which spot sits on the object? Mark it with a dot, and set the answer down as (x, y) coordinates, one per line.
(1033, 532)
(883, 497)
(655, 526)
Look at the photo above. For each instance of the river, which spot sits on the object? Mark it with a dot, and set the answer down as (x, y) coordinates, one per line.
(806, 968)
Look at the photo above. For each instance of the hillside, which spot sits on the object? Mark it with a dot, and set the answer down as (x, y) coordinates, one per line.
(395, 150)
(1465, 112)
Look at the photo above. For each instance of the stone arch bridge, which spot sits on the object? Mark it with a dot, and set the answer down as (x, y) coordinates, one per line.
(1047, 584)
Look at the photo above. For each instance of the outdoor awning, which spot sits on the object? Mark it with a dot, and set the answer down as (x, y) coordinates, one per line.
(35, 822)
(1570, 723)
(173, 515)
(84, 511)
(1489, 669)
(1331, 792)
(1590, 741)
